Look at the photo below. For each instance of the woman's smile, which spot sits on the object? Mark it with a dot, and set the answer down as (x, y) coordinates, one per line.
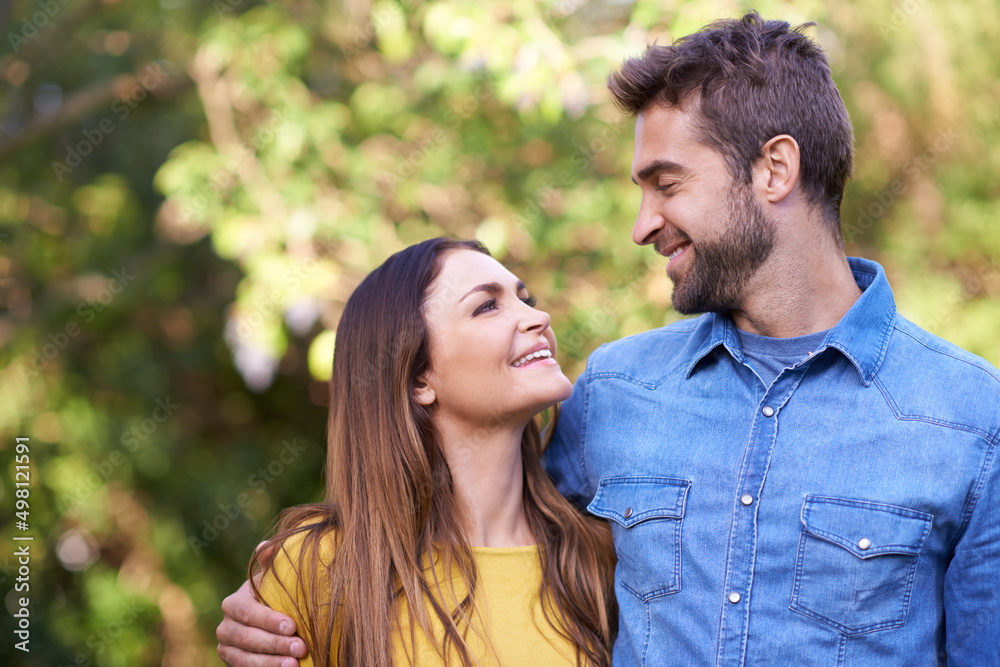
(540, 354)
(482, 319)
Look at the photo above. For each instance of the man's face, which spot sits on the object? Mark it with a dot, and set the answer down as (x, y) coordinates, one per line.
(713, 230)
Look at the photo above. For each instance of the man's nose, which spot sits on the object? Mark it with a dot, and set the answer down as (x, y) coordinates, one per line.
(648, 224)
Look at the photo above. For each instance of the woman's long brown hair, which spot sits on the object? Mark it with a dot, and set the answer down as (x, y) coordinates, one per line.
(390, 507)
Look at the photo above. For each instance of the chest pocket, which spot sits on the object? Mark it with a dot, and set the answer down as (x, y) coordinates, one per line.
(856, 561)
(646, 514)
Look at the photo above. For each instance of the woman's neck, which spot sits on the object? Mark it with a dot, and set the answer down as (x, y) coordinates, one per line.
(488, 476)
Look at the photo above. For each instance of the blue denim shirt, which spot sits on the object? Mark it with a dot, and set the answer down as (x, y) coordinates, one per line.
(847, 515)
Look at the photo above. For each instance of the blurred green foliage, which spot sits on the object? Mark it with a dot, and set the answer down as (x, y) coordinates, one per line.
(190, 191)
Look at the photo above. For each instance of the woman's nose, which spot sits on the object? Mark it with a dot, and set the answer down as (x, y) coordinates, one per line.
(535, 320)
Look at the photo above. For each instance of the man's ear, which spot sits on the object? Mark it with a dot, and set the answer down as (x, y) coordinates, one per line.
(423, 393)
(777, 171)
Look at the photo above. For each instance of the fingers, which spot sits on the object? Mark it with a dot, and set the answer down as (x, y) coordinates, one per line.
(234, 657)
(248, 639)
(244, 609)
(249, 629)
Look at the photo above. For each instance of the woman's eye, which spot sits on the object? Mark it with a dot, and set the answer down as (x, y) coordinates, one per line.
(530, 300)
(489, 305)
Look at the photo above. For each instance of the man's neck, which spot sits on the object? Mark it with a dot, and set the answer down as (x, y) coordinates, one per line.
(798, 293)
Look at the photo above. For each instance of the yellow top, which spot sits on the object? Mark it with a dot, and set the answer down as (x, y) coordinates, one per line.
(507, 595)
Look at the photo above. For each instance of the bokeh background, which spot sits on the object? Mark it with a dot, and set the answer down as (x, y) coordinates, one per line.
(190, 190)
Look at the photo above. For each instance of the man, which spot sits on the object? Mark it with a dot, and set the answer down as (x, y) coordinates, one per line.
(799, 476)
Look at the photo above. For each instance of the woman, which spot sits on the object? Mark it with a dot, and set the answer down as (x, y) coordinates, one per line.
(441, 539)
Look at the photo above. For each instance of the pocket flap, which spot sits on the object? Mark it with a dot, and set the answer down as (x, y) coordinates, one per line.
(632, 500)
(866, 529)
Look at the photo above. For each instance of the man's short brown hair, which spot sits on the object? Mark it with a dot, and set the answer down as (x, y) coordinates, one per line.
(757, 79)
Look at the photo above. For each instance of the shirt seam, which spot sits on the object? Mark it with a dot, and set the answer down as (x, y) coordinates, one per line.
(614, 375)
(588, 477)
(902, 416)
(967, 362)
(972, 501)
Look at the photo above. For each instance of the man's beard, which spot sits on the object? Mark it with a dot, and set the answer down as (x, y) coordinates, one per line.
(720, 269)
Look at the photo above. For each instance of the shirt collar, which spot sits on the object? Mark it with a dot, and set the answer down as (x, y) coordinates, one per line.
(862, 335)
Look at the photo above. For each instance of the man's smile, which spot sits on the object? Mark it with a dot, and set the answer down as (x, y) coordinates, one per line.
(677, 252)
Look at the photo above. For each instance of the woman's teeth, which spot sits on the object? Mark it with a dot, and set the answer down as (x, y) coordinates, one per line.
(534, 355)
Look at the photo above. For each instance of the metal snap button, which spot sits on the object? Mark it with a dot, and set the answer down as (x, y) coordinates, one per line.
(734, 597)
(746, 499)
(628, 512)
(864, 543)
(768, 411)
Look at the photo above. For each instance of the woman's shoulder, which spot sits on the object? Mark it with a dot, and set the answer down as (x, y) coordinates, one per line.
(296, 568)
(298, 556)
(307, 541)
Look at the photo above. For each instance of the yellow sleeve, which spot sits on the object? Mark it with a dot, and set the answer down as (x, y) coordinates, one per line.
(282, 586)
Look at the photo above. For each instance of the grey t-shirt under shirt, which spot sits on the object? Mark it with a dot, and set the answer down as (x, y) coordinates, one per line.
(769, 356)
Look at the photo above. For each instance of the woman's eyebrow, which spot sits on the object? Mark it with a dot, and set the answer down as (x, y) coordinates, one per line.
(491, 288)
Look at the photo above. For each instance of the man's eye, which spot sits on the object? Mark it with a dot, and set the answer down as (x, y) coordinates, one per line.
(665, 187)
(530, 300)
(489, 305)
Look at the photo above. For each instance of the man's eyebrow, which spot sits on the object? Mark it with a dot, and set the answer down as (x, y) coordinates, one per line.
(492, 288)
(657, 166)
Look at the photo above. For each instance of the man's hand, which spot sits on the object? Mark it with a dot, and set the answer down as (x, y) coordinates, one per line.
(253, 635)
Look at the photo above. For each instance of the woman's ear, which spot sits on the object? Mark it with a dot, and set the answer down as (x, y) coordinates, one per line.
(423, 393)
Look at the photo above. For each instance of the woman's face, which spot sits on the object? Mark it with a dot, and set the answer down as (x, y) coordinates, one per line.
(492, 353)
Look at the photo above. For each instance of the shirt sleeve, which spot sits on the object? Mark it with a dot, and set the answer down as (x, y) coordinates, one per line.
(972, 582)
(565, 457)
(280, 587)
(283, 586)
